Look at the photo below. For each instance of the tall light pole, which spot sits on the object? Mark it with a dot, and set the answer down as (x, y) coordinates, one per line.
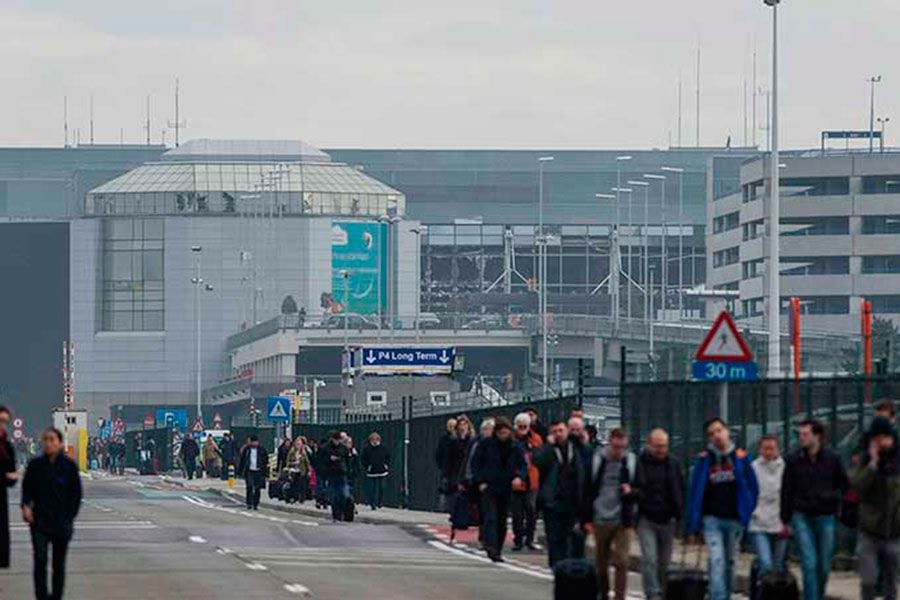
(645, 262)
(680, 172)
(418, 231)
(775, 213)
(199, 287)
(663, 252)
(883, 121)
(618, 243)
(872, 81)
(650, 323)
(617, 235)
(542, 269)
(613, 268)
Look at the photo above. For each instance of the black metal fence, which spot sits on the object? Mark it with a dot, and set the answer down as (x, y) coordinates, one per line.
(753, 409)
(420, 436)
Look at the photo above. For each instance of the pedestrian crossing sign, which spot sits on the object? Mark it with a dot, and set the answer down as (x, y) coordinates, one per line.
(278, 409)
(724, 342)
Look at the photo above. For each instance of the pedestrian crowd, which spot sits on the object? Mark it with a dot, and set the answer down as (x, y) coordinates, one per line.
(604, 495)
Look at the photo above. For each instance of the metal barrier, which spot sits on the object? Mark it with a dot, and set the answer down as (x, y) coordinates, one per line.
(412, 442)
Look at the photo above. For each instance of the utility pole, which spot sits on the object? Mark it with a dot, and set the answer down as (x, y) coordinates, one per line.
(542, 269)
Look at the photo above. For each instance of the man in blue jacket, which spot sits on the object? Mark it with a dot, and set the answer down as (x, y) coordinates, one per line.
(722, 499)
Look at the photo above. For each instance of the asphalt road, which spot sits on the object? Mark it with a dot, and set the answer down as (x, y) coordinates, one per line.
(143, 538)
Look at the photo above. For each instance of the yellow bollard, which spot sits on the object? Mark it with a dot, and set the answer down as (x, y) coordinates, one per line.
(230, 476)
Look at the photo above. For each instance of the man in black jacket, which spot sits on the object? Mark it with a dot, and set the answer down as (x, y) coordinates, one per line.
(376, 463)
(51, 498)
(562, 493)
(813, 483)
(334, 463)
(189, 452)
(254, 468)
(659, 485)
(227, 449)
(497, 465)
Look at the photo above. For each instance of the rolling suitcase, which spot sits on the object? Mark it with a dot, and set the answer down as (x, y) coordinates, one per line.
(274, 489)
(349, 511)
(778, 586)
(686, 583)
(574, 579)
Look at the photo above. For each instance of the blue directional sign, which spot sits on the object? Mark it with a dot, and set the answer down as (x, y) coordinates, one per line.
(278, 409)
(416, 361)
(712, 370)
(172, 417)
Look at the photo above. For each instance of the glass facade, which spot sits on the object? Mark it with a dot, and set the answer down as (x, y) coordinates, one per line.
(259, 188)
(133, 275)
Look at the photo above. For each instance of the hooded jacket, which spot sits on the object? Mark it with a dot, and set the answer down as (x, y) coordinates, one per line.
(767, 516)
(879, 491)
(747, 488)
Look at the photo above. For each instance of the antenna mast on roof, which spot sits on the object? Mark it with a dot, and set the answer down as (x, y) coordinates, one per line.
(66, 121)
(178, 125)
(91, 116)
(147, 121)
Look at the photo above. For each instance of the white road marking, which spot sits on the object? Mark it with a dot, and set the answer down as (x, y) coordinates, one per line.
(296, 588)
(87, 525)
(530, 572)
(255, 566)
(197, 539)
(221, 550)
(246, 513)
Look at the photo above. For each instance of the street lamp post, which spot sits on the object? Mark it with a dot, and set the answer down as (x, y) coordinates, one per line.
(542, 269)
(612, 254)
(645, 262)
(883, 121)
(680, 173)
(617, 237)
(872, 81)
(199, 287)
(775, 213)
(418, 231)
(662, 239)
(650, 322)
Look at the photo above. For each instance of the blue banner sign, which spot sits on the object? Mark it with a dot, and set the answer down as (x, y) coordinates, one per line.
(421, 361)
(708, 370)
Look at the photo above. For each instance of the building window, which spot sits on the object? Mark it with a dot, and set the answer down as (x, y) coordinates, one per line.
(815, 186)
(881, 225)
(133, 275)
(815, 226)
(753, 190)
(881, 184)
(753, 230)
(752, 307)
(885, 303)
(881, 264)
(376, 398)
(815, 265)
(727, 222)
(728, 256)
(753, 268)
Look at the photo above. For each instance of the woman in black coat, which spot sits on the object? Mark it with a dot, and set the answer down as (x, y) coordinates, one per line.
(9, 478)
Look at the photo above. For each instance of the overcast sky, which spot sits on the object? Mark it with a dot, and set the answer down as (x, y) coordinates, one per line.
(429, 74)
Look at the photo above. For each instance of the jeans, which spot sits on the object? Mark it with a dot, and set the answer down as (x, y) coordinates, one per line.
(612, 541)
(375, 492)
(523, 507)
(815, 542)
(770, 551)
(337, 486)
(254, 481)
(40, 541)
(495, 513)
(563, 541)
(875, 553)
(722, 538)
(656, 554)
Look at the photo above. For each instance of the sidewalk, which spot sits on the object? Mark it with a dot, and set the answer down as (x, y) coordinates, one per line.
(843, 585)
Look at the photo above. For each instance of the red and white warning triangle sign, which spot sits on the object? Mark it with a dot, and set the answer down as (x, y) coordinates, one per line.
(724, 342)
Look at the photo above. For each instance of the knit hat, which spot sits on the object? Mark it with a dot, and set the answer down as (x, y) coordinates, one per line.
(881, 426)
